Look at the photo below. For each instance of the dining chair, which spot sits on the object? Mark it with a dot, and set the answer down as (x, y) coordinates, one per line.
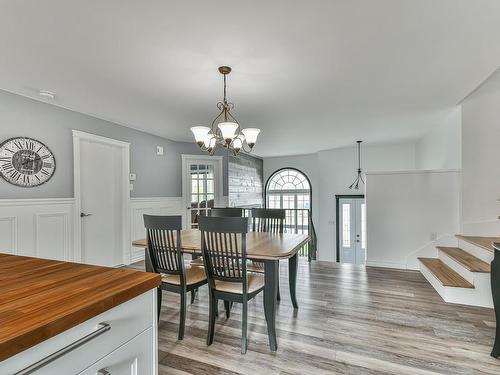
(223, 244)
(219, 212)
(270, 220)
(163, 234)
(226, 212)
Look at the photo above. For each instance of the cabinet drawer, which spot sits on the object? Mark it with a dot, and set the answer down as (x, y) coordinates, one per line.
(133, 358)
(125, 322)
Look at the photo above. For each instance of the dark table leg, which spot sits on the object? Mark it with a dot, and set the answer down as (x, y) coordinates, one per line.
(495, 291)
(270, 294)
(292, 279)
(147, 261)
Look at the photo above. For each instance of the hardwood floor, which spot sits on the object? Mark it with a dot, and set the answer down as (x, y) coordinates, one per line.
(351, 320)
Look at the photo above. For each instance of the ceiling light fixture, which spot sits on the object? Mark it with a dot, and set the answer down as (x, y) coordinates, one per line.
(226, 133)
(47, 94)
(359, 178)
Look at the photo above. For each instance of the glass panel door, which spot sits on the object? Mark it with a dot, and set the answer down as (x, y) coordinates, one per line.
(352, 230)
(202, 181)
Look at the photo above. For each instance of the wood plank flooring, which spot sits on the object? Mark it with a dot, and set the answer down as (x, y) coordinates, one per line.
(351, 320)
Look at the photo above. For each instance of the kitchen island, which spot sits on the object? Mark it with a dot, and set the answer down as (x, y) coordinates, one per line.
(67, 318)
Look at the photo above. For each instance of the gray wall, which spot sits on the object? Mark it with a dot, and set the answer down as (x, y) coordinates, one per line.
(156, 175)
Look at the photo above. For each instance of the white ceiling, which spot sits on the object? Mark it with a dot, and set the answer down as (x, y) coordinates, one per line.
(312, 75)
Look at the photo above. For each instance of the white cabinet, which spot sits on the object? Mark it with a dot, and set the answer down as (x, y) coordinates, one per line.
(133, 358)
(124, 334)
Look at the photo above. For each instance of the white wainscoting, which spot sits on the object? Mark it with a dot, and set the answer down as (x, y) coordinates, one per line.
(152, 206)
(42, 228)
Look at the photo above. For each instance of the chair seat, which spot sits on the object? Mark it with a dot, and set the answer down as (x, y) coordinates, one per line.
(194, 275)
(255, 281)
(197, 262)
(255, 267)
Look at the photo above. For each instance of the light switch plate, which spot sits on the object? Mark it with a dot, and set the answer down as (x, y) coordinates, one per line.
(159, 150)
(132, 176)
(131, 187)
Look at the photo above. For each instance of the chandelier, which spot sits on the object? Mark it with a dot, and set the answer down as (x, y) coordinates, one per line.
(225, 130)
(359, 178)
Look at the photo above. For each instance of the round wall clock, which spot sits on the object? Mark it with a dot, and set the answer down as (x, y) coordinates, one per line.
(26, 162)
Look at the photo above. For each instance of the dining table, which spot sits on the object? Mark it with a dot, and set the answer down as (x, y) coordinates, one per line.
(264, 247)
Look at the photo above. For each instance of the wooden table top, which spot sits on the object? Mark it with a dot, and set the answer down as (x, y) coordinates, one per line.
(40, 298)
(260, 245)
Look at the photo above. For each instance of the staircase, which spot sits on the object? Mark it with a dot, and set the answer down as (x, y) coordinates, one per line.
(462, 274)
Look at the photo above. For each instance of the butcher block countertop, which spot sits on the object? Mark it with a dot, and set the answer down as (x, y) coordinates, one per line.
(41, 298)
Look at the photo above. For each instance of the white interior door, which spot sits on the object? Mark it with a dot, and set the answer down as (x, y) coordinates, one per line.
(202, 185)
(103, 191)
(352, 230)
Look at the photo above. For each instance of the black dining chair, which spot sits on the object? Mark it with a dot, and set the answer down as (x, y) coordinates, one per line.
(219, 212)
(163, 235)
(223, 244)
(226, 212)
(270, 220)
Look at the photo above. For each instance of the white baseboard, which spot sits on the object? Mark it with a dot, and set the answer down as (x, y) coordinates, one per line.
(399, 266)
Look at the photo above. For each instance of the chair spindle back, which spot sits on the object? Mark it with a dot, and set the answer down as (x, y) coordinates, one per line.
(163, 235)
(223, 244)
(268, 220)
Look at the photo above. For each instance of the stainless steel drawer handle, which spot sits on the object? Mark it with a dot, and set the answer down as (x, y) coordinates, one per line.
(103, 372)
(103, 327)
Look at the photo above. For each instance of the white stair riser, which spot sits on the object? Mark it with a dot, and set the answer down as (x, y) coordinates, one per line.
(480, 295)
(477, 251)
(457, 267)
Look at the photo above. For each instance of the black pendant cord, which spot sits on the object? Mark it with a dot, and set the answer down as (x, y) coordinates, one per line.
(359, 177)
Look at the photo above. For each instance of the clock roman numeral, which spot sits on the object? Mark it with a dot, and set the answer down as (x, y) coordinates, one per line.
(45, 156)
(47, 165)
(7, 167)
(44, 172)
(30, 145)
(15, 175)
(5, 158)
(18, 144)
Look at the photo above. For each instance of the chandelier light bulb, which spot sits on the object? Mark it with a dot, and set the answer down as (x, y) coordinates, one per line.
(251, 135)
(200, 133)
(228, 129)
(238, 143)
(209, 141)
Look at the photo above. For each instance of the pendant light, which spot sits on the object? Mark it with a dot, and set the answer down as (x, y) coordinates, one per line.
(359, 177)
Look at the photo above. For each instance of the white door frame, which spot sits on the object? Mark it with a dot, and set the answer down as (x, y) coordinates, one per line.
(355, 203)
(219, 188)
(78, 136)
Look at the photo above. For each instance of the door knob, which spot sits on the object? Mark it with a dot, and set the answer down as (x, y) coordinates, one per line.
(84, 214)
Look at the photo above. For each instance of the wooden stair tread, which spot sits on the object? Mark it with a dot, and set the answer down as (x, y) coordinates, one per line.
(483, 242)
(467, 260)
(445, 274)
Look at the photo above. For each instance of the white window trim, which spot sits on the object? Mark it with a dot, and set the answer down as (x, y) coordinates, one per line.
(219, 199)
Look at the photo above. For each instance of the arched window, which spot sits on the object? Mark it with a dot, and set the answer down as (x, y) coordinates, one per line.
(288, 188)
